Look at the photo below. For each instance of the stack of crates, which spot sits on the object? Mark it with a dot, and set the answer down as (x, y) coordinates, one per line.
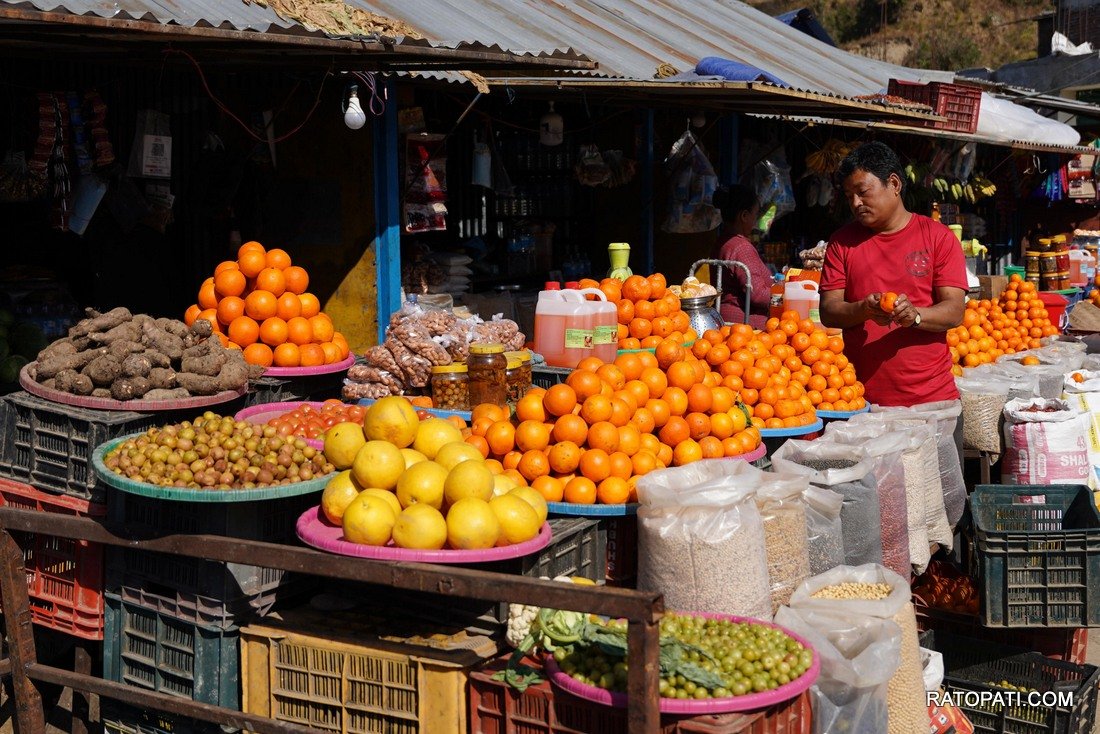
(173, 622)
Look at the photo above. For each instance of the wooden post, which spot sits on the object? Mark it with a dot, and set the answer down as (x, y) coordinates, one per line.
(29, 716)
(82, 664)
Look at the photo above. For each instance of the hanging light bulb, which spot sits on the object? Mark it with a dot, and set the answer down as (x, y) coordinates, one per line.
(551, 128)
(354, 117)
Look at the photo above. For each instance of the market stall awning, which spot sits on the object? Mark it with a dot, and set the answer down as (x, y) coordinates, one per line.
(748, 97)
(235, 31)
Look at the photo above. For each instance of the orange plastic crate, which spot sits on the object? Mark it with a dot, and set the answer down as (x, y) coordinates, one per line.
(64, 576)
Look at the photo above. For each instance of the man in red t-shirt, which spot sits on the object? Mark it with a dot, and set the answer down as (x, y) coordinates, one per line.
(901, 356)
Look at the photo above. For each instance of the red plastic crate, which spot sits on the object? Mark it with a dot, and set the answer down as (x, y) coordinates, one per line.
(64, 576)
(957, 102)
(496, 708)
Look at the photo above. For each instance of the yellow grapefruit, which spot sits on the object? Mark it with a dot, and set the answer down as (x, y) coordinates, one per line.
(342, 443)
(452, 454)
(338, 494)
(386, 496)
(422, 484)
(368, 520)
(533, 498)
(472, 525)
(434, 434)
(378, 464)
(412, 456)
(468, 479)
(518, 520)
(420, 527)
(391, 419)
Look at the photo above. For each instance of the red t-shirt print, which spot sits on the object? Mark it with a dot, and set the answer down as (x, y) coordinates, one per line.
(898, 365)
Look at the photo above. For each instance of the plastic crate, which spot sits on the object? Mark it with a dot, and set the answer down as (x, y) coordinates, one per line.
(1061, 643)
(957, 102)
(203, 591)
(118, 718)
(64, 576)
(545, 376)
(1037, 564)
(50, 445)
(294, 389)
(345, 674)
(622, 550)
(149, 649)
(496, 708)
(975, 665)
(577, 548)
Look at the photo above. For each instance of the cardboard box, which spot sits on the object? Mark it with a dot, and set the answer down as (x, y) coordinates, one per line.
(992, 286)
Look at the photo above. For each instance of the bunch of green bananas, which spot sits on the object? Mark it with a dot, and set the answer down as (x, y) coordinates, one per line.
(977, 188)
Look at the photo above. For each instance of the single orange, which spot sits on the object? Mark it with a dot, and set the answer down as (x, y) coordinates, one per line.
(312, 355)
(677, 400)
(322, 327)
(584, 383)
(229, 283)
(686, 452)
(260, 305)
(501, 437)
(675, 430)
(489, 410)
(595, 464)
(278, 259)
(698, 425)
(299, 331)
(532, 435)
(564, 457)
(311, 306)
(332, 352)
(659, 409)
(259, 353)
(511, 460)
(251, 246)
(530, 408)
(191, 314)
(570, 427)
(226, 265)
(287, 355)
(580, 491)
(210, 315)
(551, 488)
(271, 280)
(559, 400)
(533, 465)
(244, 331)
(230, 308)
(596, 408)
(603, 435)
(288, 307)
(251, 263)
(630, 439)
(479, 443)
(208, 298)
(612, 375)
(613, 491)
(636, 288)
(273, 331)
(297, 279)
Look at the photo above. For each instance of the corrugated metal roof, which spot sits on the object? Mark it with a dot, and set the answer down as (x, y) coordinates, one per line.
(630, 38)
(250, 16)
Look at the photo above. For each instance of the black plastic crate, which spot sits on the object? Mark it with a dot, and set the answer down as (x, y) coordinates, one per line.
(578, 548)
(545, 376)
(1037, 555)
(204, 591)
(118, 718)
(294, 389)
(50, 445)
(983, 667)
(149, 649)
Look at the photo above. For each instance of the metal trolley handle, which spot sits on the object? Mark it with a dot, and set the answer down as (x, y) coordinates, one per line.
(718, 279)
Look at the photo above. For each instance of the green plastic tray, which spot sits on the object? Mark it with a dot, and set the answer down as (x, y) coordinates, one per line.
(124, 484)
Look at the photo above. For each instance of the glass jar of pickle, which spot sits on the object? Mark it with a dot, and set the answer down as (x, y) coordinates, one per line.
(1059, 281)
(1063, 260)
(1042, 244)
(1031, 261)
(487, 367)
(1048, 262)
(524, 357)
(451, 387)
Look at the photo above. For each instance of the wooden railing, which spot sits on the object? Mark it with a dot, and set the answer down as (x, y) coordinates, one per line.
(643, 610)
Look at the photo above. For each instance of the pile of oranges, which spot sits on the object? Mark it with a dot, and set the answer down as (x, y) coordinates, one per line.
(259, 303)
(648, 312)
(1094, 294)
(785, 373)
(587, 440)
(1016, 321)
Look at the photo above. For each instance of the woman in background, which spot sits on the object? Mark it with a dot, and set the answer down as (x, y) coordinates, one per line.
(740, 212)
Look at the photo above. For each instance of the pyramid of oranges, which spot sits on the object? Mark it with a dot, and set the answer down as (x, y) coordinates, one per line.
(648, 312)
(588, 439)
(1016, 321)
(260, 303)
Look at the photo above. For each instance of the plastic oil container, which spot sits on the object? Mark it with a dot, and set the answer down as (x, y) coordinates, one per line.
(1079, 263)
(802, 296)
(562, 333)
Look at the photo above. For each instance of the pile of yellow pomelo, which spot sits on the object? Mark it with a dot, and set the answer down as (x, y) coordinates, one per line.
(420, 485)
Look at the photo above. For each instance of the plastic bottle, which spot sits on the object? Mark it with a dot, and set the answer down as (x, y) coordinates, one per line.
(802, 296)
(601, 320)
(559, 322)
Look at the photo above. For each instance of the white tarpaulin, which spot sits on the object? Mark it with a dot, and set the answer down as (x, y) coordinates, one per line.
(1000, 119)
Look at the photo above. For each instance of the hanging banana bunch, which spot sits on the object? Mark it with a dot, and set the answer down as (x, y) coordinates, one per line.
(827, 160)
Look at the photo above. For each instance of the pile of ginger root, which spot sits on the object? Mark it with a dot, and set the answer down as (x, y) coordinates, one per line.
(124, 356)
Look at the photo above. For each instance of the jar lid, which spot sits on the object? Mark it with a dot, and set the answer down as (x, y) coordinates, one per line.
(487, 349)
(522, 355)
(1045, 240)
(444, 369)
(618, 246)
(514, 363)
(1048, 254)
(1033, 253)
(1058, 238)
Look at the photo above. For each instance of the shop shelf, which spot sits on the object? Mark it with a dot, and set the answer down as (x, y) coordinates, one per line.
(119, 718)
(959, 103)
(577, 548)
(149, 649)
(979, 666)
(64, 576)
(203, 591)
(295, 389)
(50, 445)
(1037, 555)
(496, 708)
(350, 673)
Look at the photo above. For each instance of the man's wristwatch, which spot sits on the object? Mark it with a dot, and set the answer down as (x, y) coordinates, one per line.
(916, 321)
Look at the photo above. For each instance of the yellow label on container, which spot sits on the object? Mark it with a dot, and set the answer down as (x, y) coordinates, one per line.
(815, 315)
(578, 339)
(604, 335)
